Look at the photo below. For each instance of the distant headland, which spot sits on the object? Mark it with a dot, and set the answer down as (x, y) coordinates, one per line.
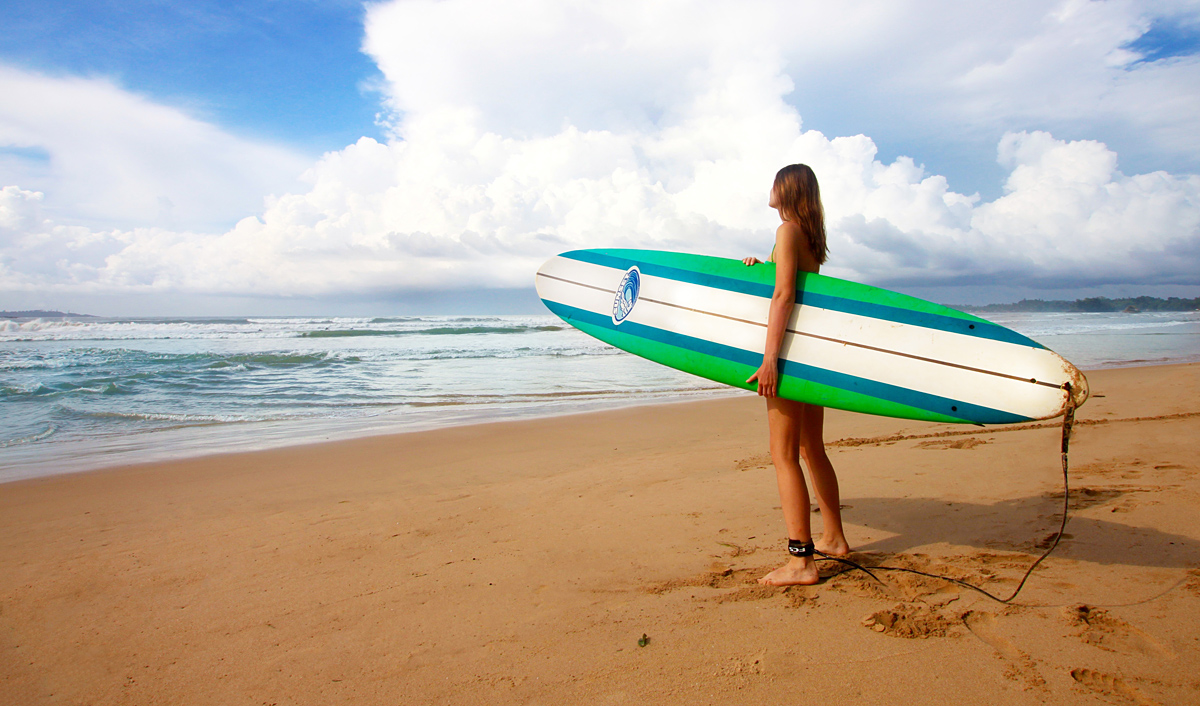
(1131, 305)
(42, 314)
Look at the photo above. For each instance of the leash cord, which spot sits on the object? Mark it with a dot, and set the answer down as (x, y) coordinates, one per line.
(1067, 426)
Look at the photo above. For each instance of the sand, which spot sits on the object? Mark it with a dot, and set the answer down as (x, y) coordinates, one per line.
(521, 563)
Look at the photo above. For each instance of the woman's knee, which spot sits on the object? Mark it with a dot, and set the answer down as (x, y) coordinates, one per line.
(785, 454)
(812, 452)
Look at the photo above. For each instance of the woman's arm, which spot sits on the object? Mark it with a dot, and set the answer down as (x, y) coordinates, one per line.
(787, 242)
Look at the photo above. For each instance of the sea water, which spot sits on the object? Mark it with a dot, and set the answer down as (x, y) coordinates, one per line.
(83, 393)
(1107, 340)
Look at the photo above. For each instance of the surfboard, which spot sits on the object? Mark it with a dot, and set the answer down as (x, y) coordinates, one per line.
(848, 346)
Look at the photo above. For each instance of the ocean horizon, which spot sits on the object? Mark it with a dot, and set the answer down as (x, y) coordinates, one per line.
(84, 393)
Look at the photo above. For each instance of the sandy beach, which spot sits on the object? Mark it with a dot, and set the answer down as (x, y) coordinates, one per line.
(520, 563)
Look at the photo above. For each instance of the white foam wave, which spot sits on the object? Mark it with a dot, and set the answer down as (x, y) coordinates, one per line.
(1065, 324)
(255, 328)
(36, 325)
(180, 418)
(32, 438)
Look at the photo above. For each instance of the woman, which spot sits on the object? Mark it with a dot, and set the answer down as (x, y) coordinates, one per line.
(796, 427)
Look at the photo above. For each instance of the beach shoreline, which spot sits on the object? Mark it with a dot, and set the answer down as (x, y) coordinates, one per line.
(191, 442)
(521, 561)
(188, 442)
(84, 395)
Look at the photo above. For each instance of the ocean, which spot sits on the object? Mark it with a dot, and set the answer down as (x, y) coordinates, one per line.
(82, 393)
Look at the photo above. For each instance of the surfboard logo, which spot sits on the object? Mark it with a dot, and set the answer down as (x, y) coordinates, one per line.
(627, 294)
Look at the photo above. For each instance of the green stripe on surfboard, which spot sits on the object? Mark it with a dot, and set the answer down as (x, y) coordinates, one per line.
(735, 374)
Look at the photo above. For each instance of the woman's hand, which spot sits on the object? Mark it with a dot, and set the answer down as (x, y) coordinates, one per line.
(751, 261)
(767, 377)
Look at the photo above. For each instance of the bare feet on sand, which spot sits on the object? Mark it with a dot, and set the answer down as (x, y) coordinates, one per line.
(802, 571)
(799, 571)
(836, 546)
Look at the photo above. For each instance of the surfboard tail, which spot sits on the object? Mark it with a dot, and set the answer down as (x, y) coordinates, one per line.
(1079, 390)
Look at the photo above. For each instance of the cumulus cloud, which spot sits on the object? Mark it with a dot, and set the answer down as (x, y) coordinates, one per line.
(1067, 217)
(525, 129)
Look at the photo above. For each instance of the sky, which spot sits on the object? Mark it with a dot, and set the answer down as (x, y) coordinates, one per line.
(412, 156)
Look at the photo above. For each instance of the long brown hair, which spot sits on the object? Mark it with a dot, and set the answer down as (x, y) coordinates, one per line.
(800, 202)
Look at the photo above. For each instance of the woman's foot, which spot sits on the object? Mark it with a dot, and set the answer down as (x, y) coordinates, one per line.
(835, 546)
(799, 571)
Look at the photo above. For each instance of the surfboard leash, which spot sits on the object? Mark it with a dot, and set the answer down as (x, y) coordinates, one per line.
(1067, 427)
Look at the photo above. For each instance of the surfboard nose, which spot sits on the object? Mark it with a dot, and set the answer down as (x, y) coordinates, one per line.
(544, 280)
(537, 278)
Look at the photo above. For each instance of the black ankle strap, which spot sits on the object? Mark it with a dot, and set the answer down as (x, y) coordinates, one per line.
(798, 548)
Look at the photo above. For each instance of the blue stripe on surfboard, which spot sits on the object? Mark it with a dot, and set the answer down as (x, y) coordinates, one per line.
(872, 388)
(675, 273)
(950, 324)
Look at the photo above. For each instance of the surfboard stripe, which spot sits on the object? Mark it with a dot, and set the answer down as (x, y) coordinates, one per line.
(764, 273)
(978, 329)
(829, 339)
(707, 280)
(793, 330)
(735, 374)
(1008, 393)
(932, 407)
(691, 314)
(745, 330)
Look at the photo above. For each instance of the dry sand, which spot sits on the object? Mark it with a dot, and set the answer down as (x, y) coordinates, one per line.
(521, 562)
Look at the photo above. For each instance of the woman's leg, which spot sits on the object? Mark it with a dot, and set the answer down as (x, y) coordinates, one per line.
(824, 480)
(785, 420)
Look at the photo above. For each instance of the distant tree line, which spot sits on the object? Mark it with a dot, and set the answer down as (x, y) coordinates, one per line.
(1094, 304)
(41, 314)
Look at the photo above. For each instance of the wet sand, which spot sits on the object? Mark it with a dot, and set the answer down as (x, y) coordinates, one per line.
(520, 563)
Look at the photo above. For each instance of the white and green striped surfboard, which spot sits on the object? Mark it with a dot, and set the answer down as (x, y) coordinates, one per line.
(849, 346)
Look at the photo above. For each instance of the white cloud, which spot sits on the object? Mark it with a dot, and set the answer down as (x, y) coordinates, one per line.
(525, 129)
(111, 158)
(1068, 218)
(937, 69)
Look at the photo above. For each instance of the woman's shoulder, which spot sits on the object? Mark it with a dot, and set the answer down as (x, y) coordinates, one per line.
(794, 234)
(790, 227)
(791, 231)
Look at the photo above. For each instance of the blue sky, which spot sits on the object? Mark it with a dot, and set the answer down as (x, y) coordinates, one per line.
(316, 155)
(1167, 38)
(279, 70)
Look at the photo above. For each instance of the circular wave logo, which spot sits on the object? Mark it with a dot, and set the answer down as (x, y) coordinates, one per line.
(627, 294)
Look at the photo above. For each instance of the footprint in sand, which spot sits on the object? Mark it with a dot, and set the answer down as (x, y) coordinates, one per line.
(1100, 628)
(718, 577)
(914, 621)
(1048, 541)
(744, 583)
(1193, 582)
(793, 596)
(1021, 666)
(1085, 497)
(1111, 686)
(752, 462)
